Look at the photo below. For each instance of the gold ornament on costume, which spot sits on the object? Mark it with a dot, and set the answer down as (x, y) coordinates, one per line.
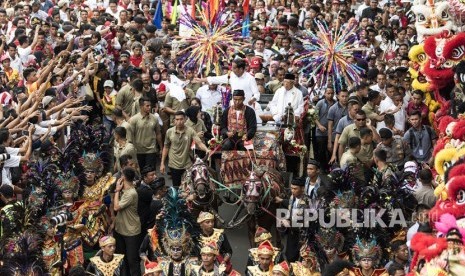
(92, 161)
(106, 240)
(203, 216)
(262, 235)
(210, 248)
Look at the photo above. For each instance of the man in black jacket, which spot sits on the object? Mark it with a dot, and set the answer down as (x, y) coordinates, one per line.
(238, 123)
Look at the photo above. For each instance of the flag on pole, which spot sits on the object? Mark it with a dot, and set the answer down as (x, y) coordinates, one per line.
(174, 14)
(246, 23)
(158, 16)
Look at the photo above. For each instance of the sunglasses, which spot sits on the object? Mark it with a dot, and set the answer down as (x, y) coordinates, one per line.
(361, 119)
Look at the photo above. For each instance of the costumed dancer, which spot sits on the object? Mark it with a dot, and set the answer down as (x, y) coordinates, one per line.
(69, 187)
(209, 265)
(51, 249)
(106, 262)
(179, 237)
(281, 269)
(367, 254)
(264, 267)
(261, 235)
(210, 234)
(332, 242)
(308, 266)
(152, 269)
(92, 211)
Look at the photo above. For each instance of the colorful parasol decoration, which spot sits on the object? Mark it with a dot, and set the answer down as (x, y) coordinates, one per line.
(210, 41)
(329, 56)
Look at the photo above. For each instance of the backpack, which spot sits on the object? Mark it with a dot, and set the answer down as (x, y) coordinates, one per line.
(412, 136)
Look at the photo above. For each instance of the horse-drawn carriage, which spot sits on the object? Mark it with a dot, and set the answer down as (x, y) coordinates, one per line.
(249, 180)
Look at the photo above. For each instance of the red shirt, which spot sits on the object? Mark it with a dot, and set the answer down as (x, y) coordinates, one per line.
(135, 60)
(423, 108)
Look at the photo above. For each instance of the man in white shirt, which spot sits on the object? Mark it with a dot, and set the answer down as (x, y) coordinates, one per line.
(388, 106)
(238, 79)
(380, 85)
(210, 96)
(285, 95)
(259, 49)
(24, 49)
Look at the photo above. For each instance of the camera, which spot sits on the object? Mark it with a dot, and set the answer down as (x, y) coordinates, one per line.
(61, 218)
(4, 156)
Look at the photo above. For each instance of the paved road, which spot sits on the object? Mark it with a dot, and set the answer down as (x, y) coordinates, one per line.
(237, 237)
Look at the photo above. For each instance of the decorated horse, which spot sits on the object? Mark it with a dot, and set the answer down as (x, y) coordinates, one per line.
(258, 199)
(197, 181)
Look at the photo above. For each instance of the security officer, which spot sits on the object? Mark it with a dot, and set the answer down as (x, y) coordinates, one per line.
(397, 150)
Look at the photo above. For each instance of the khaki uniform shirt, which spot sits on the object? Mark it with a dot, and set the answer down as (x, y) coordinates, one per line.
(128, 149)
(145, 130)
(198, 127)
(179, 147)
(348, 160)
(274, 85)
(370, 111)
(129, 131)
(349, 131)
(127, 222)
(125, 99)
(176, 105)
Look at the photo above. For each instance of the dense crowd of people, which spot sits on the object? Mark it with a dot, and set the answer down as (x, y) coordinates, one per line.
(99, 110)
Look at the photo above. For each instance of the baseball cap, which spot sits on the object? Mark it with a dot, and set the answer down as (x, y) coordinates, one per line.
(259, 76)
(108, 83)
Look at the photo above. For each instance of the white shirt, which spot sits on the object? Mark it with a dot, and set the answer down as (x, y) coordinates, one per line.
(377, 88)
(24, 53)
(114, 14)
(13, 162)
(387, 105)
(359, 11)
(16, 63)
(282, 98)
(267, 53)
(209, 98)
(245, 82)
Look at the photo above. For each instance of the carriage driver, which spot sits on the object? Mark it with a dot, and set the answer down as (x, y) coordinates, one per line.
(238, 123)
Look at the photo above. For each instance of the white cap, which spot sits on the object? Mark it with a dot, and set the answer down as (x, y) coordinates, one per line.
(46, 100)
(61, 3)
(410, 166)
(109, 83)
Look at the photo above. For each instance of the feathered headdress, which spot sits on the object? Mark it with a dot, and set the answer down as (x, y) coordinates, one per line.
(92, 161)
(366, 249)
(69, 183)
(178, 228)
(22, 254)
(329, 237)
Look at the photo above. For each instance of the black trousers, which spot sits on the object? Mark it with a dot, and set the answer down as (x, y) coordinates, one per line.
(129, 246)
(176, 176)
(145, 159)
(292, 245)
(233, 144)
(321, 151)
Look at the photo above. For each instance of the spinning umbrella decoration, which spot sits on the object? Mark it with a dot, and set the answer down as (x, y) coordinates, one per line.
(210, 41)
(327, 56)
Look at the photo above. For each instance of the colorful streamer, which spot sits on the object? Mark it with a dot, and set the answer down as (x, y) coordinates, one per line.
(327, 56)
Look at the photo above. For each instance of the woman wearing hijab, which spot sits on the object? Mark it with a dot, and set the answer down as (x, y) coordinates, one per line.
(194, 121)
